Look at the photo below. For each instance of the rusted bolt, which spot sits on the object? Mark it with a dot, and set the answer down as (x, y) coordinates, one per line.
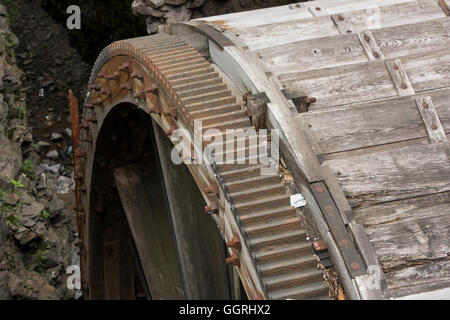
(319, 245)
(95, 87)
(93, 118)
(234, 243)
(245, 95)
(233, 259)
(137, 75)
(376, 54)
(349, 31)
(318, 9)
(211, 208)
(355, 266)
(426, 105)
(395, 66)
(367, 38)
(404, 86)
(140, 95)
(212, 189)
(125, 86)
(82, 154)
(171, 112)
(125, 67)
(310, 100)
(114, 76)
(329, 209)
(434, 126)
(153, 89)
(344, 242)
(319, 189)
(340, 18)
(106, 91)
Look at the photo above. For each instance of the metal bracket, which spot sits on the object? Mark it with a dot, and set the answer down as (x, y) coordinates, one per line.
(216, 36)
(256, 108)
(299, 99)
(352, 259)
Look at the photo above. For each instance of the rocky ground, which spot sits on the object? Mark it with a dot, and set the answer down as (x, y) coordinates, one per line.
(36, 231)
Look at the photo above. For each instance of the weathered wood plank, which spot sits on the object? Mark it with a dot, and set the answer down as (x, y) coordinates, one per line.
(111, 270)
(393, 174)
(417, 279)
(428, 36)
(366, 125)
(373, 51)
(280, 34)
(403, 209)
(431, 120)
(343, 25)
(156, 246)
(312, 54)
(342, 85)
(428, 71)
(409, 241)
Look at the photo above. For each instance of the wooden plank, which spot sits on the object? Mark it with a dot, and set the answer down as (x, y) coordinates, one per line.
(428, 71)
(445, 5)
(148, 218)
(430, 276)
(399, 78)
(403, 209)
(431, 120)
(342, 85)
(312, 54)
(280, 34)
(366, 125)
(411, 241)
(111, 270)
(392, 175)
(428, 36)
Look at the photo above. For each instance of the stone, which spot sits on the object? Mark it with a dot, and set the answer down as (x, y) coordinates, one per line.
(47, 168)
(177, 14)
(42, 145)
(140, 7)
(64, 185)
(68, 132)
(11, 199)
(155, 3)
(55, 206)
(53, 154)
(4, 291)
(24, 236)
(194, 4)
(30, 285)
(10, 163)
(56, 136)
(31, 211)
(175, 2)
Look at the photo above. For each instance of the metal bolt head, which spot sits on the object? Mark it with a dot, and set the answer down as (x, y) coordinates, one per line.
(367, 38)
(355, 266)
(404, 86)
(434, 126)
(376, 54)
(395, 66)
(318, 9)
(344, 242)
(426, 105)
(319, 189)
(341, 18)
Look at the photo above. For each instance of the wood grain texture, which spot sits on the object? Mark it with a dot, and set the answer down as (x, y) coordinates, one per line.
(410, 241)
(392, 175)
(403, 209)
(428, 71)
(312, 54)
(428, 36)
(342, 85)
(422, 278)
(365, 125)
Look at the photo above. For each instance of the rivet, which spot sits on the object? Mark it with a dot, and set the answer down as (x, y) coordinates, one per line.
(434, 126)
(349, 31)
(404, 86)
(319, 189)
(318, 9)
(376, 54)
(234, 243)
(355, 266)
(341, 18)
(329, 209)
(395, 66)
(367, 38)
(426, 105)
(345, 242)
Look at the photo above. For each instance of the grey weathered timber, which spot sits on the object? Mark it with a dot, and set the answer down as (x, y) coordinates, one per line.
(431, 120)
(395, 174)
